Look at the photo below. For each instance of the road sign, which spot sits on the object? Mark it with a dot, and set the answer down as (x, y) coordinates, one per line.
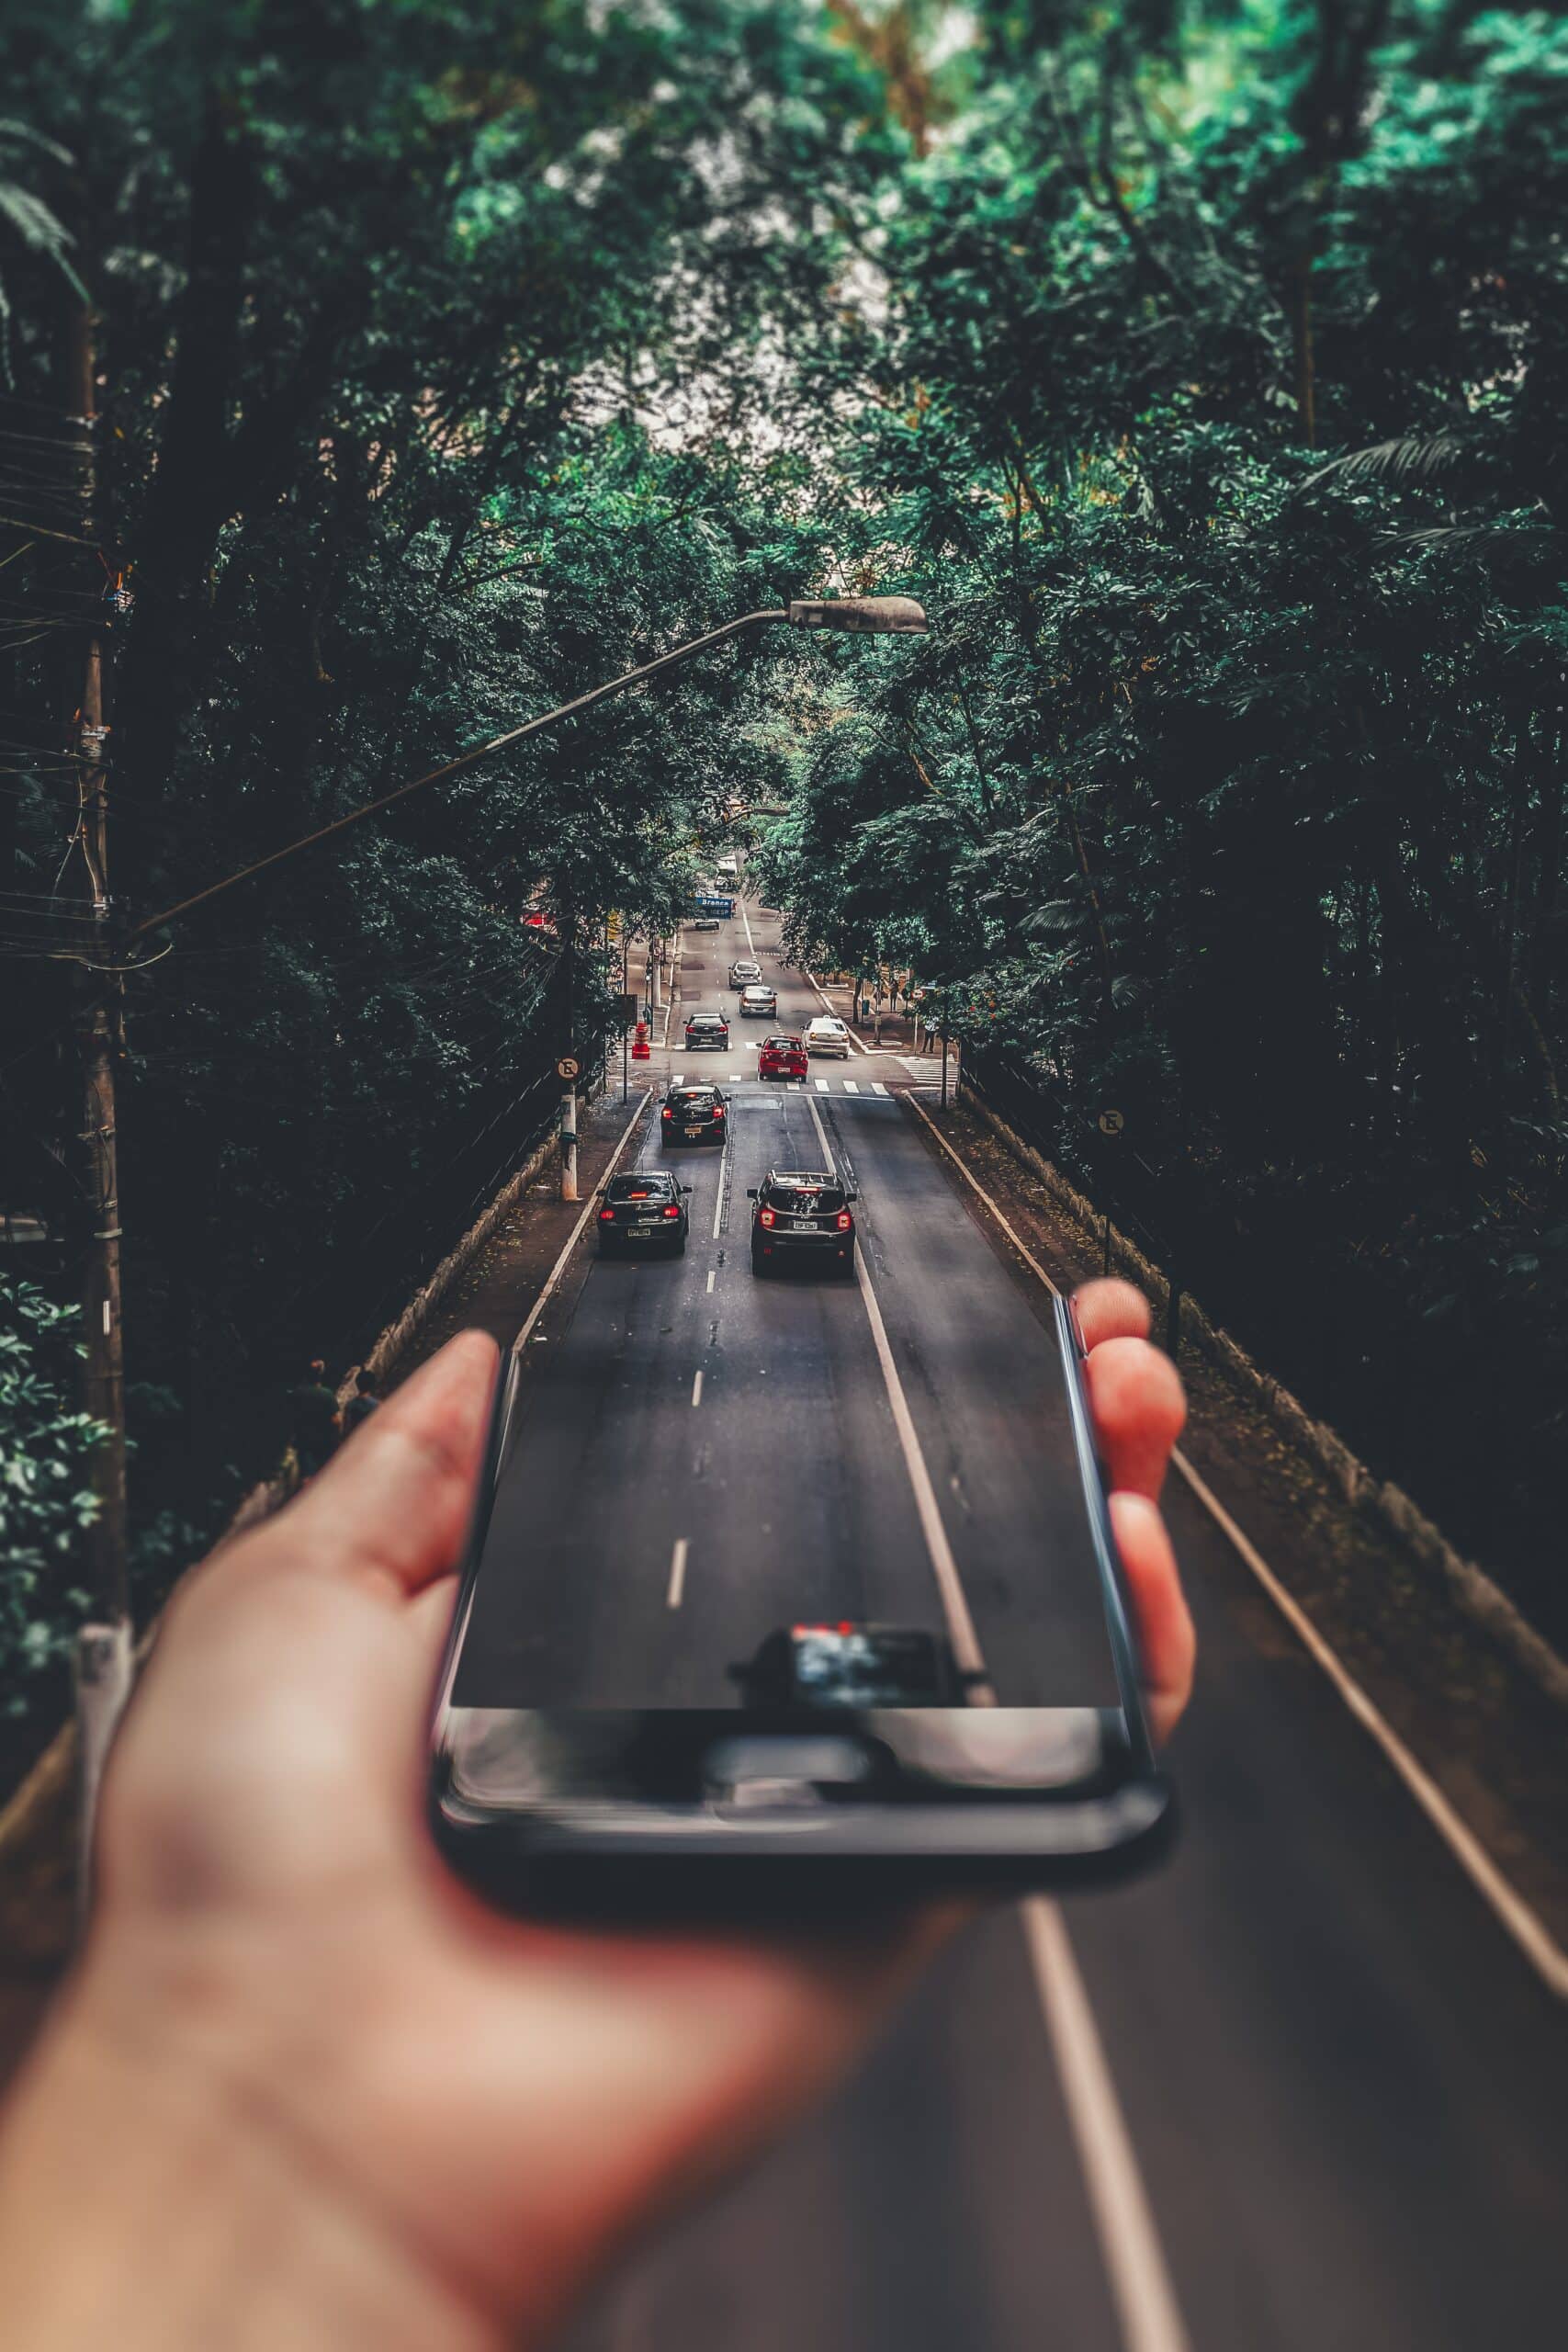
(567, 1068)
(1111, 1122)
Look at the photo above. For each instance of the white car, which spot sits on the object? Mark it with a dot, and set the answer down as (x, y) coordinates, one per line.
(828, 1035)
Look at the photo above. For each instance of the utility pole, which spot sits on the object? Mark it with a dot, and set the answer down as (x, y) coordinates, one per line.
(567, 1067)
(103, 1655)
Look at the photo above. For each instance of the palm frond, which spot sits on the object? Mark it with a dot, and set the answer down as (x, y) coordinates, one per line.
(1411, 457)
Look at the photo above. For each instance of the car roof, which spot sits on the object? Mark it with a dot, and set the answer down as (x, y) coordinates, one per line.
(641, 1180)
(707, 1020)
(827, 1021)
(801, 1176)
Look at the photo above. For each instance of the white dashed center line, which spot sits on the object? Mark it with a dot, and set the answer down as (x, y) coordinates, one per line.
(712, 1270)
(696, 1389)
(677, 1573)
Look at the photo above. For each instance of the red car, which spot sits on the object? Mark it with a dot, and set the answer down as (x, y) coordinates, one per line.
(780, 1058)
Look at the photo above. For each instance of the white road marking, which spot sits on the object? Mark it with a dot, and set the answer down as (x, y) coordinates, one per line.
(821, 1085)
(1129, 2240)
(751, 943)
(696, 1389)
(850, 1086)
(521, 1341)
(1526, 1926)
(677, 1573)
(719, 1197)
(877, 1087)
(955, 1607)
(678, 1079)
(712, 1270)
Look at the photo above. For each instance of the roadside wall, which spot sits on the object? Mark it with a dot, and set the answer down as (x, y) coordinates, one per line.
(1387, 1507)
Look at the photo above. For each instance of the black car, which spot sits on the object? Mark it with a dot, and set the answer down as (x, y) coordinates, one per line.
(801, 1218)
(707, 1029)
(642, 1212)
(693, 1114)
(851, 1665)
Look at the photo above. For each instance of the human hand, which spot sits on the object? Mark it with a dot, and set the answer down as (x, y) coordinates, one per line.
(392, 2115)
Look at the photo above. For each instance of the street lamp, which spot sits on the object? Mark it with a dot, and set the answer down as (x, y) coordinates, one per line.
(866, 615)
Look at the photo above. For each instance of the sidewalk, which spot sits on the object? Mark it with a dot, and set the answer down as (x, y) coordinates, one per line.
(897, 1028)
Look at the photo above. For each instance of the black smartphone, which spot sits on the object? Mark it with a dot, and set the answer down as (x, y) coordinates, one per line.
(835, 1758)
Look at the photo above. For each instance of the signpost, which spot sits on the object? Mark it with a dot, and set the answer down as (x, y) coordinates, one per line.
(566, 1071)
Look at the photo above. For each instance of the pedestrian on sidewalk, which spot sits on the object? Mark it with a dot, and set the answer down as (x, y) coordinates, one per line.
(363, 1402)
(317, 1423)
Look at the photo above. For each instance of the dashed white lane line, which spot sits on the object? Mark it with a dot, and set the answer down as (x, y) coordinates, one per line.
(521, 1341)
(712, 1271)
(850, 1086)
(677, 1079)
(696, 1389)
(677, 1573)
(877, 1087)
(1526, 1926)
(718, 1196)
(1124, 2225)
(821, 1085)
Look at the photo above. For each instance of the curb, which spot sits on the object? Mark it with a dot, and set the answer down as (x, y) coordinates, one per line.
(1387, 1507)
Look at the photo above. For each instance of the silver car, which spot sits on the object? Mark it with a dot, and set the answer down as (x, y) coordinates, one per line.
(828, 1035)
(759, 1001)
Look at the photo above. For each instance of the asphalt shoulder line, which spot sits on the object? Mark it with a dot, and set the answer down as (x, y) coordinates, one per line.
(1525, 1925)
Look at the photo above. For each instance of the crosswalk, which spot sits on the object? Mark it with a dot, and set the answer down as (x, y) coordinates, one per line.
(749, 1078)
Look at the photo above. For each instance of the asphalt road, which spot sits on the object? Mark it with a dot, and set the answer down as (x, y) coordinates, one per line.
(1314, 2096)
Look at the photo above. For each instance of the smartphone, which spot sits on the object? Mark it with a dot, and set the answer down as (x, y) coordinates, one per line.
(582, 1763)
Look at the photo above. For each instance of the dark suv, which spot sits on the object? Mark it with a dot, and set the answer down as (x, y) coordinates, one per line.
(707, 1029)
(801, 1218)
(642, 1212)
(693, 1114)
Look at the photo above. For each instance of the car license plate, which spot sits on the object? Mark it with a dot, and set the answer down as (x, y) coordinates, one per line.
(802, 1225)
(694, 1131)
(641, 1232)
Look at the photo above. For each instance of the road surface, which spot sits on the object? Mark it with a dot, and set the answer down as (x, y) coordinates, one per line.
(1300, 2090)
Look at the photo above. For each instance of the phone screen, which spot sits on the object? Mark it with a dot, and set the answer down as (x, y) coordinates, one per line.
(750, 1622)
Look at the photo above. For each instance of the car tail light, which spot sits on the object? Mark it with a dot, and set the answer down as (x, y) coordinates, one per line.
(765, 1217)
(606, 1216)
(845, 1221)
(673, 1209)
(667, 1114)
(718, 1110)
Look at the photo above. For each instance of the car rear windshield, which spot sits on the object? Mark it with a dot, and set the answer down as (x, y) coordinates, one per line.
(637, 1188)
(781, 1045)
(705, 1021)
(791, 1193)
(693, 1098)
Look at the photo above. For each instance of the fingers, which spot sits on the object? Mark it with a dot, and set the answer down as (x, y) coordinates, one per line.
(1112, 1309)
(1137, 1397)
(1165, 1628)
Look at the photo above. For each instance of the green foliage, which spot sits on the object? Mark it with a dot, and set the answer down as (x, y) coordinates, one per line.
(46, 1497)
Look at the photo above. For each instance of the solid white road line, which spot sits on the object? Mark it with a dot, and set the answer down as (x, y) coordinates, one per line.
(1526, 1926)
(751, 943)
(1129, 2240)
(521, 1341)
(696, 1389)
(837, 1015)
(955, 1607)
(677, 1573)
(712, 1271)
(718, 1196)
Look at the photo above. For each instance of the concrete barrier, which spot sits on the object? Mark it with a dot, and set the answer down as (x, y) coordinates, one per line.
(1388, 1510)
